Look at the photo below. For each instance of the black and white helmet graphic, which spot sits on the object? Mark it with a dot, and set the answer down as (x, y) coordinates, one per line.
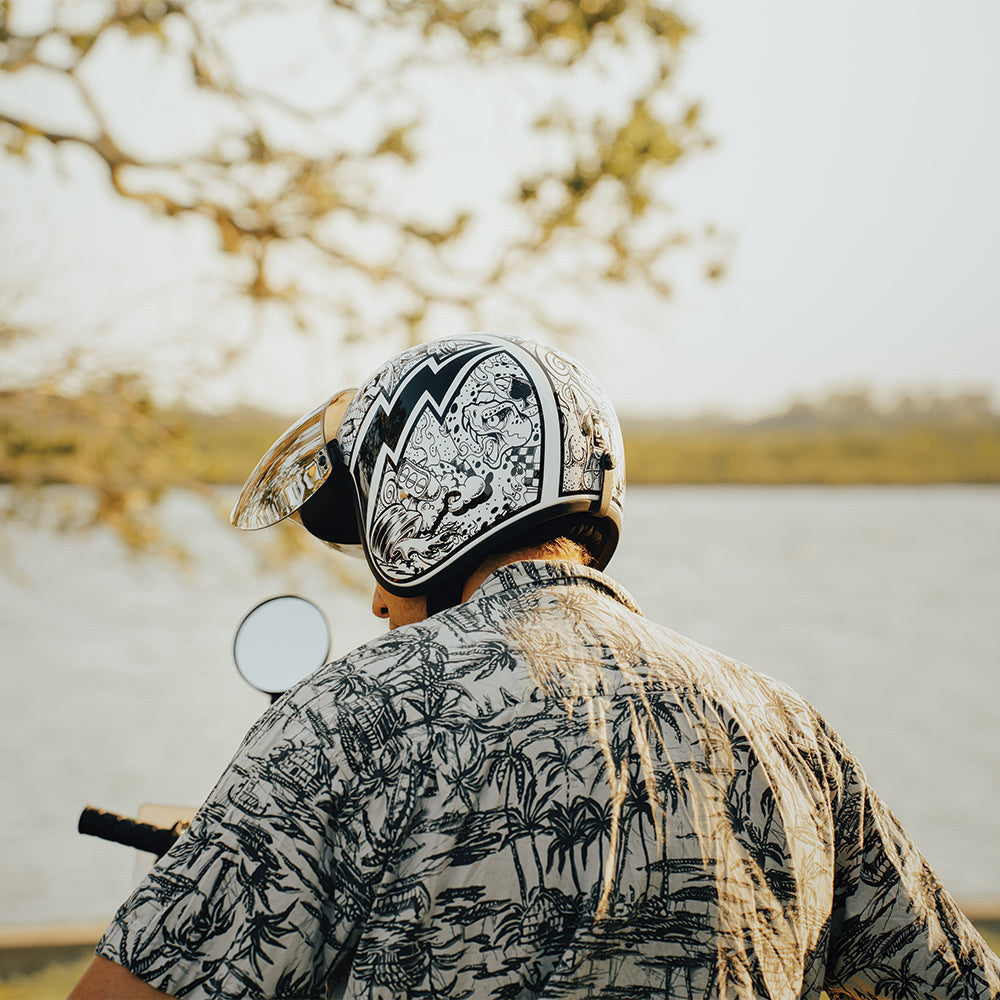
(451, 451)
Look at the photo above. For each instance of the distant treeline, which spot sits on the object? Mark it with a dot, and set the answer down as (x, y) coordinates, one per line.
(116, 433)
(847, 437)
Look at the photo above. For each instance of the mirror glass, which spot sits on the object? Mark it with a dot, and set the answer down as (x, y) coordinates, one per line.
(280, 641)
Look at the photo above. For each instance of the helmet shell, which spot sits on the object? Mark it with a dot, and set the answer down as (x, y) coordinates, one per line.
(457, 446)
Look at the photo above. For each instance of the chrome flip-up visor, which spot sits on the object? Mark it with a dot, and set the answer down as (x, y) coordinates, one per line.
(293, 468)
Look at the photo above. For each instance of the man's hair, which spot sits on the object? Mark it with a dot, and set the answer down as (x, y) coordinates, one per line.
(573, 538)
(576, 537)
(556, 548)
(562, 548)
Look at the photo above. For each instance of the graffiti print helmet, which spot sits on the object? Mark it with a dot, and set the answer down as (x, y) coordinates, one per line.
(450, 452)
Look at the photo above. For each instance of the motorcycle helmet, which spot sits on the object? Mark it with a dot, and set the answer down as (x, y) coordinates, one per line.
(450, 452)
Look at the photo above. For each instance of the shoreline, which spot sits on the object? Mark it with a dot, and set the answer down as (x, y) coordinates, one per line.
(29, 948)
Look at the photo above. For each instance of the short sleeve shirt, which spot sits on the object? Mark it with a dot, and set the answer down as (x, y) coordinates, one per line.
(540, 793)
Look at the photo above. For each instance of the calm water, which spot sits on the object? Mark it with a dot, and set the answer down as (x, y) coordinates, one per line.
(880, 605)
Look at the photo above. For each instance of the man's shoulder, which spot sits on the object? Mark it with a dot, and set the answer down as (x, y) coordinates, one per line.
(409, 657)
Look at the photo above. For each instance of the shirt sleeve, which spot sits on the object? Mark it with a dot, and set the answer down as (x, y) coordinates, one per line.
(895, 931)
(262, 894)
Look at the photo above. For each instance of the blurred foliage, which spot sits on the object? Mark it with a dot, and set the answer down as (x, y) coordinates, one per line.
(299, 133)
(301, 156)
(112, 440)
(127, 453)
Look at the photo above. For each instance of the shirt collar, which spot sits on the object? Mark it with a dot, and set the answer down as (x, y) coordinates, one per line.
(548, 573)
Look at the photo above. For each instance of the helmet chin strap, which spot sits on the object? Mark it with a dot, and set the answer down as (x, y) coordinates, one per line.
(607, 484)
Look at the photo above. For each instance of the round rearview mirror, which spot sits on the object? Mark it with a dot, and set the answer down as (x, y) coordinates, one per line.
(280, 641)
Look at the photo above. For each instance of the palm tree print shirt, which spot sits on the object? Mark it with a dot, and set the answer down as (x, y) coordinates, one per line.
(540, 793)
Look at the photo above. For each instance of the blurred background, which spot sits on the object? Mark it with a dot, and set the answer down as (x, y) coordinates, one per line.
(770, 230)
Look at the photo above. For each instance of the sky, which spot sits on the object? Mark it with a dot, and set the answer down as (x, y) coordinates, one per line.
(857, 169)
(854, 175)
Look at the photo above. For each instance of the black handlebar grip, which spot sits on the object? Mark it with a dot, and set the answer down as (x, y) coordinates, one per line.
(130, 832)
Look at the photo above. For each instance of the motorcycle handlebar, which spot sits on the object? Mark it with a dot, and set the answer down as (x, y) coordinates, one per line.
(130, 832)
